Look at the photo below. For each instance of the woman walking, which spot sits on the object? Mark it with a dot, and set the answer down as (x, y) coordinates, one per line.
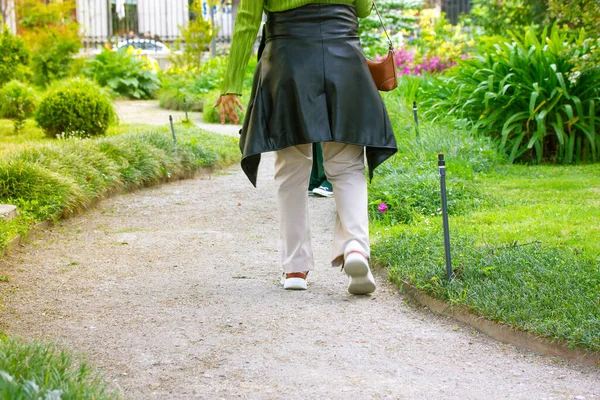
(311, 85)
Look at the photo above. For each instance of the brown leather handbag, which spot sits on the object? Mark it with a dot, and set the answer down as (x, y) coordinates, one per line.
(384, 71)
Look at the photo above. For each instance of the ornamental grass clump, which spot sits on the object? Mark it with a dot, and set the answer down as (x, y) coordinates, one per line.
(527, 97)
(75, 108)
(52, 180)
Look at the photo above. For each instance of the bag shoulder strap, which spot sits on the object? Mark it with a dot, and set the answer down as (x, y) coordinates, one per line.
(383, 26)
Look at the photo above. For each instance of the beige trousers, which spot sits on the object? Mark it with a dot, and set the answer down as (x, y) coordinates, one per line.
(345, 168)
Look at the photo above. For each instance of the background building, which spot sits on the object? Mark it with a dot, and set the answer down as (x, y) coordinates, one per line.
(7, 14)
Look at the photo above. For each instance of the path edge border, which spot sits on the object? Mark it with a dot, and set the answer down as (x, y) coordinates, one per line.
(41, 226)
(500, 332)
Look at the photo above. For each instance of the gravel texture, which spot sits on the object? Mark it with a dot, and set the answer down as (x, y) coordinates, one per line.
(174, 293)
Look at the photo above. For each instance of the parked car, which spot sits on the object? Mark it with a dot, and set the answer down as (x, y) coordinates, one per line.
(146, 46)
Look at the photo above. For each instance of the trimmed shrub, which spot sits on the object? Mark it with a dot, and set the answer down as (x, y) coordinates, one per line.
(14, 56)
(124, 73)
(17, 102)
(77, 107)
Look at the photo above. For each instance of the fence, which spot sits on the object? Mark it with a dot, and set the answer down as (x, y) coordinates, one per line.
(453, 9)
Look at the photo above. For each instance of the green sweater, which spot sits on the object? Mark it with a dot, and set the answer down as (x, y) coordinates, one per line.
(247, 23)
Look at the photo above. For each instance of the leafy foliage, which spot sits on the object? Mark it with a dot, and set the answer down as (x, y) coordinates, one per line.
(522, 96)
(401, 21)
(52, 36)
(497, 17)
(124, 73)
(195, 39)
(17, 102)
(14, 56)
(576, 14)
(77, 107)
(180, 85)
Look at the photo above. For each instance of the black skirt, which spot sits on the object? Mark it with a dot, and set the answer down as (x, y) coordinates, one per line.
(312, 84)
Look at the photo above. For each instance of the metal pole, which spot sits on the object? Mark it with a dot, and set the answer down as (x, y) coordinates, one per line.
(416, 118)
(442, 170)
(172, 128)
(185, 107)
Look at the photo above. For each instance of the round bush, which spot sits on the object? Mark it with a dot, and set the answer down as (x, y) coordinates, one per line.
(76, 107)
(17, 101)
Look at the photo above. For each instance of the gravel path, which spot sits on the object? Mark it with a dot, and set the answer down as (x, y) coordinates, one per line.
(174, 292)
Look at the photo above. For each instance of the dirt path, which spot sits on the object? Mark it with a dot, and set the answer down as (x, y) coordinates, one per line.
(174, 292)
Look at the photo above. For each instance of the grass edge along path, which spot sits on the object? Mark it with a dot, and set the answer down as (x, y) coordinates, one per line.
(35, 370)
(49, 181)
(525, 239)
(56, 180)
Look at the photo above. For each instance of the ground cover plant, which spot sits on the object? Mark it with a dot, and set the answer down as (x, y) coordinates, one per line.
(52, 180)
(527, 95)
(521, 257)
(42, 371)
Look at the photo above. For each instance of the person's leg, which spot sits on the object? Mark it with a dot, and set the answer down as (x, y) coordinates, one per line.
(318, 181)
(345, 167)
(317, 174)
(292, 172)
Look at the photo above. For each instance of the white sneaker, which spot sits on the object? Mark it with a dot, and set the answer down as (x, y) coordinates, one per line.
(294, 280)
(323, 191)
(357, 268)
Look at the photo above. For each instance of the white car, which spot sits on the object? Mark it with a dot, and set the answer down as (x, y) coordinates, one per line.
(146, 46)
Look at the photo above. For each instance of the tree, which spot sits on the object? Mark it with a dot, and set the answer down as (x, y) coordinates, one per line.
(52, 36)
(196, 38)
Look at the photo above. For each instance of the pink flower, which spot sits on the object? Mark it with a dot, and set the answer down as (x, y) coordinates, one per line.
(382, 208)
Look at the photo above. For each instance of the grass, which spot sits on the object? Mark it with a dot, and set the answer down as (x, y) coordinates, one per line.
(52, 179)
(42, 371)
(525, 239)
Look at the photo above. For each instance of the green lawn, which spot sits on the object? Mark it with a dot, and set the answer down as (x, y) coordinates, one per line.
(525, 239)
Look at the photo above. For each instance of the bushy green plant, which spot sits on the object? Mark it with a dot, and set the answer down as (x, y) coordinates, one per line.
(195, 38)
(497, 17)
(76, 107)
(52, 35)
(400, 20)
(576, 14)
(125, 74)
(17, 102)
(521, 95)
(408, 185)
(179, 84)
(14, 56)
